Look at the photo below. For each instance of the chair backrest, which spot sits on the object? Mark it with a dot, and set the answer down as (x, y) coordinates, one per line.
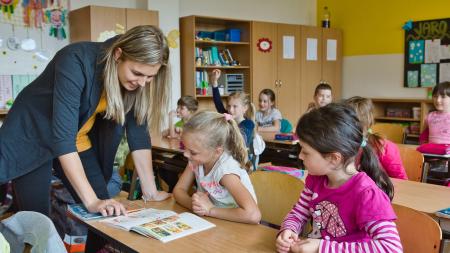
(390, 131)
(412, 162)
(277, 193)
(285, 126)
(418, 231)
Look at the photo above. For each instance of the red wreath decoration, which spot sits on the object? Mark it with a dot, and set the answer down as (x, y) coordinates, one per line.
(264, 45)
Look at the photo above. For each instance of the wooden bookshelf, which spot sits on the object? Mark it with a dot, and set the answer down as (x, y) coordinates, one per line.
(240, 51)
(381, 106)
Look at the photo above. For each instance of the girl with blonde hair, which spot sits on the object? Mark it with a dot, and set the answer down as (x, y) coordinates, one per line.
(72, 118)
(218, 163)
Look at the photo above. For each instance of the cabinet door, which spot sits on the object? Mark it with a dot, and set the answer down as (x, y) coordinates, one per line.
(332, 59)
(264, 63)
(105, 19)
(137, 17)
(288, 71)
(311, 67)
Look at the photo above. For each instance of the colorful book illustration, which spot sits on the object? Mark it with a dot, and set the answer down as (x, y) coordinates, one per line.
(81, 212)
(163, 225)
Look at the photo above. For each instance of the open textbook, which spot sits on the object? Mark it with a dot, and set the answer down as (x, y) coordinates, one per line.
(163, 225)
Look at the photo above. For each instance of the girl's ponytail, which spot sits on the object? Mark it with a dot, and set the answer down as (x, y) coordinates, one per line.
(235, 144)
(370, 165)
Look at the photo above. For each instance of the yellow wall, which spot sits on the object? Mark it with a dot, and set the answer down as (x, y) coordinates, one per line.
(375, 26)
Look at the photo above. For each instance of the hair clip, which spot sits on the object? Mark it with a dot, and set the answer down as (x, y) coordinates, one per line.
(364, 142)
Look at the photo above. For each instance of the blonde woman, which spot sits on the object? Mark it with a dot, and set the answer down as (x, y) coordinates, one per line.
(72, 118)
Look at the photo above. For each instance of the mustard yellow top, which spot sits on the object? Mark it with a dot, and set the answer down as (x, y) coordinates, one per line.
(83, 142)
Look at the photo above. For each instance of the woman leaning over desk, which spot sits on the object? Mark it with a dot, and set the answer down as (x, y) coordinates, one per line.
(72, 117)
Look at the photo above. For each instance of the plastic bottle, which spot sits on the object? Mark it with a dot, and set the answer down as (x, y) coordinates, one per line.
(326, 17)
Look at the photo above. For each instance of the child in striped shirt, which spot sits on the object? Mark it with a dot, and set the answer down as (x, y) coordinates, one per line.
(349, 204)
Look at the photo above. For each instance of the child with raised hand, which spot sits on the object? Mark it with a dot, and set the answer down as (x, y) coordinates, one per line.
(268, 117)
(239, 106)
(186, 106)
(349, 202)
(437, 123)
(322, 96)
(387, 151)
(218, 163)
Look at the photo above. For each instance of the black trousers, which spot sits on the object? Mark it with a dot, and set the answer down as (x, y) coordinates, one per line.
(32, 191)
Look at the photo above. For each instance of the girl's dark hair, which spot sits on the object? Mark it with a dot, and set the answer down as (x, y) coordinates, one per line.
(442, 89)
(190, 102)
(336, 128)
(269, 93)
(322, 86)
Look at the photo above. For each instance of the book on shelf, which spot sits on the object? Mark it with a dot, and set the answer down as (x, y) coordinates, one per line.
(163, 225)
(81, 212)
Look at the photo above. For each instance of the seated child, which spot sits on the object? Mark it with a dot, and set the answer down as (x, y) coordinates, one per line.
(349, 204)
(322, 96)
(387, 151)
(186, 106)
(218, 163)
(239, 106)
(268, 117)
(437, 123)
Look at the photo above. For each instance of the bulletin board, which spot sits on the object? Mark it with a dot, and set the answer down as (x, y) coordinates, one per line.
(427, 53)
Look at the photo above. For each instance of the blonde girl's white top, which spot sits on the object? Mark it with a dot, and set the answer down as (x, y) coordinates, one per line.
(210, 183)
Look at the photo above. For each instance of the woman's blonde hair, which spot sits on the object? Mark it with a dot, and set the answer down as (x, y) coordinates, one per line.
(144, 44)
(219, 132)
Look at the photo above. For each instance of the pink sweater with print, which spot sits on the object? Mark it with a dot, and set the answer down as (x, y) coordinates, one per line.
(355, 217)
(439, 127)
(391, 161)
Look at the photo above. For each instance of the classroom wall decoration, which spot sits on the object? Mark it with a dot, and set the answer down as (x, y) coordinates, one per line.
(427, 52)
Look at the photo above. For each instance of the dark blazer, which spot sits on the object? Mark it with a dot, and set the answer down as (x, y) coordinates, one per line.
(45, 118)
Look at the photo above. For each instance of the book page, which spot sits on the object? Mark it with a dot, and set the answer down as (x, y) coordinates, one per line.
(138, 218)
(173, 227)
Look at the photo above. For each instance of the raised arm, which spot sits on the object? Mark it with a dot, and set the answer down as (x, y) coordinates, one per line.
(215, 75)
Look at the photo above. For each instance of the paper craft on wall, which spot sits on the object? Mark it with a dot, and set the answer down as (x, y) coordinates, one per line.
(427, 53)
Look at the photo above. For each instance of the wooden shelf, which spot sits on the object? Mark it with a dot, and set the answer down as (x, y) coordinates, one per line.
(398, 119)
(226, 43)
(3, 111)
(210, 96)
(223, 67)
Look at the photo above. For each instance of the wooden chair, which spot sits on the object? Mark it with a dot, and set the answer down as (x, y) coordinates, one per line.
(277, 193)
(418, 231)
(392, 132)
(412, 162)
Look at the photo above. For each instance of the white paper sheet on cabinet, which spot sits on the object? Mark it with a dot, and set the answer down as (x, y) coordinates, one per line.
(331, 50)
(288, 47)
(311, 49)
(444, 72)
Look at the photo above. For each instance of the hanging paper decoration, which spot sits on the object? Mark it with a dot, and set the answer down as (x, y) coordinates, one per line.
(57, 18)
(264, 45)
(408, 25)
(8, 6)
(33, 12)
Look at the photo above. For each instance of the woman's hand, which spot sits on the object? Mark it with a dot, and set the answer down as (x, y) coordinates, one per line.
(201, 204)
(306, 246)
(157, 196)
(285, 239)
(215, 75)
(107, 207)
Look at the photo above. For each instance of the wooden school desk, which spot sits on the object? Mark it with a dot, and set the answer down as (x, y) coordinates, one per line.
(426, 198)
(227, 236)
(283, 153)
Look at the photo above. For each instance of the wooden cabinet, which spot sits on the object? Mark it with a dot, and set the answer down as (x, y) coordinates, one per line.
(276, 69)
(191, 44)
(88, 22)
(401, 111)
(294, 80)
